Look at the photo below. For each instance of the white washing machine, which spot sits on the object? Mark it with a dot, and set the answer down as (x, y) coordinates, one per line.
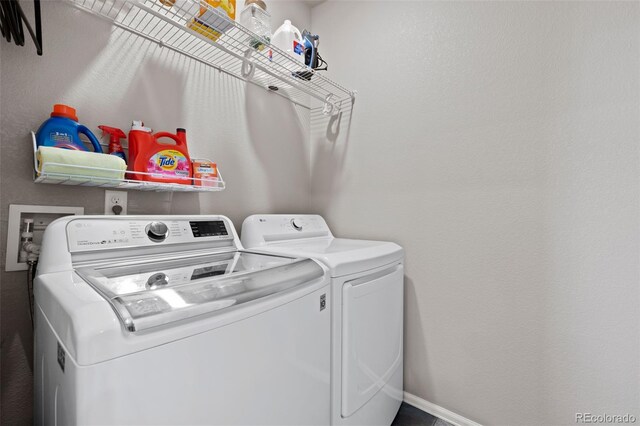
(166, 320)
(367, 311)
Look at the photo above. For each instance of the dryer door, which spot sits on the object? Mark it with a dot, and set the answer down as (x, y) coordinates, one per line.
(372, 328)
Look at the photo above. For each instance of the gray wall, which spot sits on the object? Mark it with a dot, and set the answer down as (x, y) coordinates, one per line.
(498, 143)
(259, 140)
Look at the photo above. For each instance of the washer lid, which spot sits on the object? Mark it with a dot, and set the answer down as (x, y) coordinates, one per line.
(149, 294)
(343, 256)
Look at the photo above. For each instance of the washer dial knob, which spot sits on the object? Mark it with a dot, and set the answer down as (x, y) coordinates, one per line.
(157, 231)
(296, 225)
(157, 279)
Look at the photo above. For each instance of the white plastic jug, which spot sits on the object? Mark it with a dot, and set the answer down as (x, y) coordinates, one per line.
(289, 39)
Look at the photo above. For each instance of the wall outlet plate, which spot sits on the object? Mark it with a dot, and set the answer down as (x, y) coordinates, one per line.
(115, 201)
(42, 216)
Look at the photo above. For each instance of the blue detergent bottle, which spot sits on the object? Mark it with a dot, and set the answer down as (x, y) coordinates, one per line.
(62, 130)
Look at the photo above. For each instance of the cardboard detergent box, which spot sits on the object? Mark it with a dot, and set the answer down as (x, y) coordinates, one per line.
(205, 169)
(214, 18)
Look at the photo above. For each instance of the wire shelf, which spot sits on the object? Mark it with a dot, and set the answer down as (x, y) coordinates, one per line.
(231, 53)
(86, 176)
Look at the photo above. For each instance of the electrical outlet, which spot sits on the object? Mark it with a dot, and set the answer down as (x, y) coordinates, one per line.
(115, 202)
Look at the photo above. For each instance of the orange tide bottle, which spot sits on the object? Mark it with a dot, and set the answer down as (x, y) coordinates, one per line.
(139, 137)
(161, 161)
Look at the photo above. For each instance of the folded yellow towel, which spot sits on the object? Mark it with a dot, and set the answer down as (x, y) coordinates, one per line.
(59, 161)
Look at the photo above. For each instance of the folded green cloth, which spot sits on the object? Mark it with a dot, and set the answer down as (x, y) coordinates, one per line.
(59, 161)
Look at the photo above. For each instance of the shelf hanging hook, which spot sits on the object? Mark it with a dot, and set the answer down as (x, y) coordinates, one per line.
(248, 68)
(330, 106)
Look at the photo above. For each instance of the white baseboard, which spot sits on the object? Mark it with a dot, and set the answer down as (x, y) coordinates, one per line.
(438, 411)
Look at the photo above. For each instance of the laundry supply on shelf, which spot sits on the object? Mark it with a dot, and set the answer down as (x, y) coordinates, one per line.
(288, 38)
(312, 58)
(115, 134)
(214, 18)
(62, 130)
(77, 163)
(210, 18)
(160, 161)
(256, 19)
(205, 172)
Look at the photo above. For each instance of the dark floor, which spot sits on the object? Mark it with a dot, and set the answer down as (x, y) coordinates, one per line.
(412, 416)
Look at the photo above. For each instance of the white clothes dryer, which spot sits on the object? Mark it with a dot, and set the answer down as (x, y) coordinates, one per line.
(367, 311)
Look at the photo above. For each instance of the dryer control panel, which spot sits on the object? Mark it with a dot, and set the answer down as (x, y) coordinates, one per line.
(99, 233)
(258, 230)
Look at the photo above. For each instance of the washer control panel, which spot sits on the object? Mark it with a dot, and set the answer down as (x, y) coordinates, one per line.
(90, 234)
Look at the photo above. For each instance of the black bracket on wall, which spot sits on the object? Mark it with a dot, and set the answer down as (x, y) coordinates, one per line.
(11, 19)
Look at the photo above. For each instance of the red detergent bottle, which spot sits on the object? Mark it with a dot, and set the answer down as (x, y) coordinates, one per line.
(139, 137)
(164, 162)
